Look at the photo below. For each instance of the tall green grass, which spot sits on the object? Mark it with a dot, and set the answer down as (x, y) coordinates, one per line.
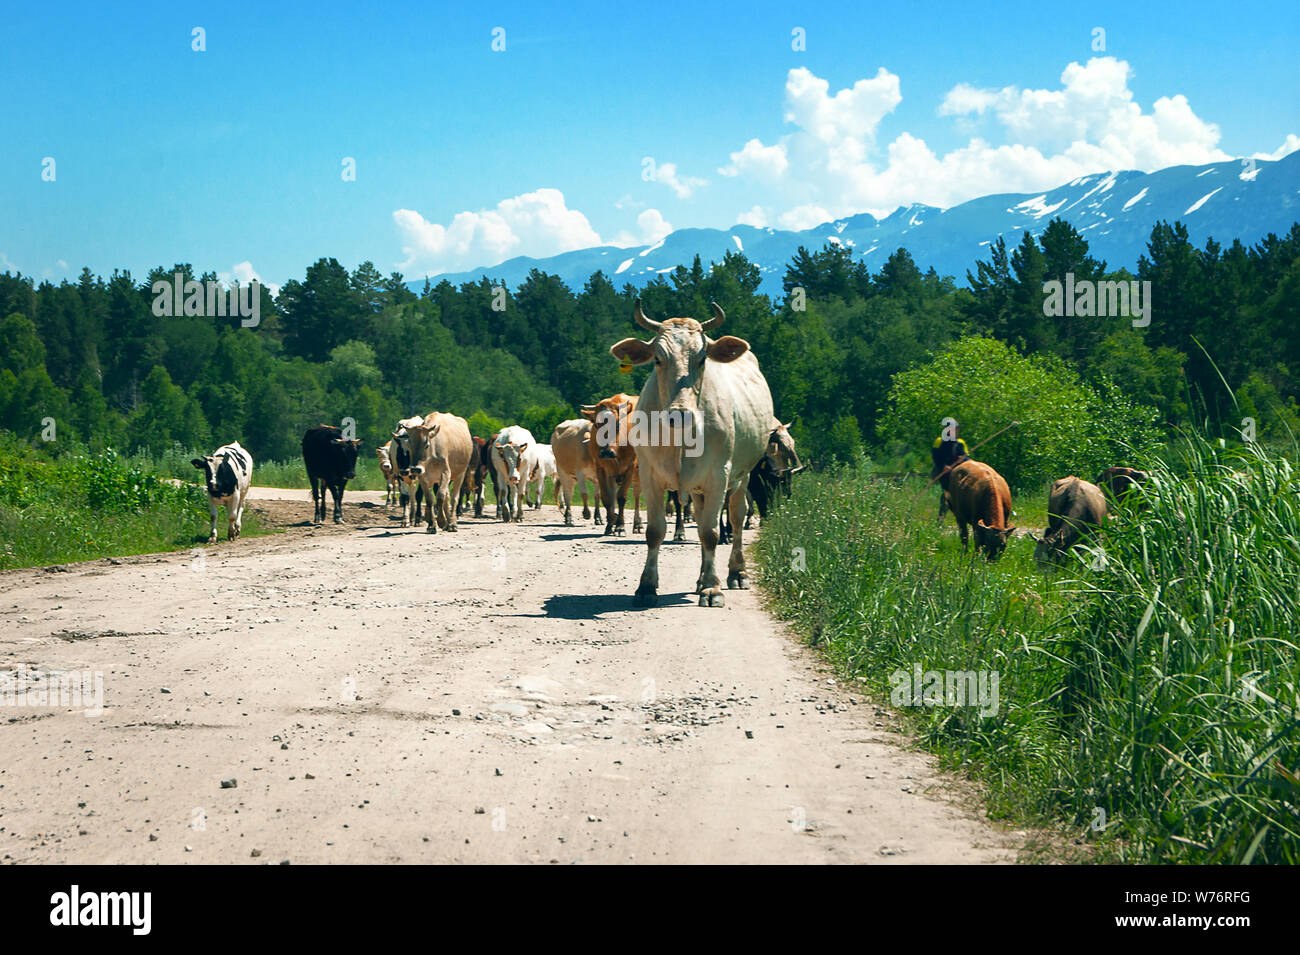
(82, 506)
(1148, 695)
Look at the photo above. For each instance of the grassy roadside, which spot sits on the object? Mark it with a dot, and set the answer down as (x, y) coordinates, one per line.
(1145, 700)
(83, 507)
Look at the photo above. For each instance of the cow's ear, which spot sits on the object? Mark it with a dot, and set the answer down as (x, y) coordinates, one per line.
(631, 351)
(728, 348)
(590, 413)
(522, 447)
(199, 463)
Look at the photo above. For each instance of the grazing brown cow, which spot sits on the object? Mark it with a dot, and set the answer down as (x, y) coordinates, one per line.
(613, 460)
(1074, 508)
(1120, 482)
(978, 495)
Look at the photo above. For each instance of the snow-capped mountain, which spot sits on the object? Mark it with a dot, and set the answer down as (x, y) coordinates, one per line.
(1115, 212)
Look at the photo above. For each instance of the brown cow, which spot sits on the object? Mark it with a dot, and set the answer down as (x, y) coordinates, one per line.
(978, 495)
(1120, 482)
(1074, 508)
(613, 460)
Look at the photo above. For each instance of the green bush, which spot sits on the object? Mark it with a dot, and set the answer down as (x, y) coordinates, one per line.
(1065, 425)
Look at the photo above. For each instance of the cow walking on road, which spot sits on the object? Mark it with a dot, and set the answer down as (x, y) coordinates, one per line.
(539, 464)
(612, 459)
(507, 455)
(722, 417)
(441, 448)
(570, 445)
(227, 473)
(331, 461)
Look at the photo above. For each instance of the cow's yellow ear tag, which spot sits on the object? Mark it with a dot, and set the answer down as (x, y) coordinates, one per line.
(625, 366)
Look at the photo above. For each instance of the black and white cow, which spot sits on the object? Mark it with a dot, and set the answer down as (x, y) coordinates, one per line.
(331, 461)
(227, 474)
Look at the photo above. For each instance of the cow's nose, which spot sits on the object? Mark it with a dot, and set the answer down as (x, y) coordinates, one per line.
(607, 453)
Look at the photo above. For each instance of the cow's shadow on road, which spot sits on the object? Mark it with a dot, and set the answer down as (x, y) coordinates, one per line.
(591, 606)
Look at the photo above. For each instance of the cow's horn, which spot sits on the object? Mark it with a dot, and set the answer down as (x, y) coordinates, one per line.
(647, 324)
(718, 316)
(590, 407)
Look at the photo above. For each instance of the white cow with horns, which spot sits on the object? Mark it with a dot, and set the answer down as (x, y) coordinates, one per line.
(715, 389)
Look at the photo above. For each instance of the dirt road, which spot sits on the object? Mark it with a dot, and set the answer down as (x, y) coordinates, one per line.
(385, 695)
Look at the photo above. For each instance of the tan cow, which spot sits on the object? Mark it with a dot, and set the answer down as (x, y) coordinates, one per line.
(573, 465)
(391, 480)
(612, 459)
(441, 450)
(979, 495)
(707, 414)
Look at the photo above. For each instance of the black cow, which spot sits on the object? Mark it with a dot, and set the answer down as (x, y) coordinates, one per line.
(771, 474)
(489, 464)
(331, 461)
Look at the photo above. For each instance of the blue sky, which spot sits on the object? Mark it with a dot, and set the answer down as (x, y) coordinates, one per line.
(231, 158)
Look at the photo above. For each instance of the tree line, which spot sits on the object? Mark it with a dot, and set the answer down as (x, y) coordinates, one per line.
(92, 357)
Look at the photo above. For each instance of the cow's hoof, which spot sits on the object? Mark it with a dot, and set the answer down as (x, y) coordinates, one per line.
(679, 537)
(712, 598)
(586, 513)
(212, 539)
(737, 582)
(431, 529)
(646, 597)
(636, 528)
(453, 529)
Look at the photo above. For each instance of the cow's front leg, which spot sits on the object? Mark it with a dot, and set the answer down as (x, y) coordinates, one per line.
(442, 505)
(235, 521)
(430, 498)
(453, 514)
(647, 593)
(707, 586)
(212, 523)
(737, 579)
(337, 491)
(965, 535)
(636, 511)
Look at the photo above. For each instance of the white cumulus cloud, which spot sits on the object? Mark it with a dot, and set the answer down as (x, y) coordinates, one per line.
(536, 223)
(757, 217)
(666, 173)
(245, 273)
(830, 165)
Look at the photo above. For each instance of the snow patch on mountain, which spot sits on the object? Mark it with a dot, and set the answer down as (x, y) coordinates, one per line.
(1135, 200)
(1200, 202)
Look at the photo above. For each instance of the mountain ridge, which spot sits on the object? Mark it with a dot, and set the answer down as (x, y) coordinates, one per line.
(1235, 199)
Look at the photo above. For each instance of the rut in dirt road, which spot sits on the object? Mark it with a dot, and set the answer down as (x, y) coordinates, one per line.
(387, 695)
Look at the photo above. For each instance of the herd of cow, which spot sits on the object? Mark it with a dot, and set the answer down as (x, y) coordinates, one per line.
(739, 457)
(723, 455)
